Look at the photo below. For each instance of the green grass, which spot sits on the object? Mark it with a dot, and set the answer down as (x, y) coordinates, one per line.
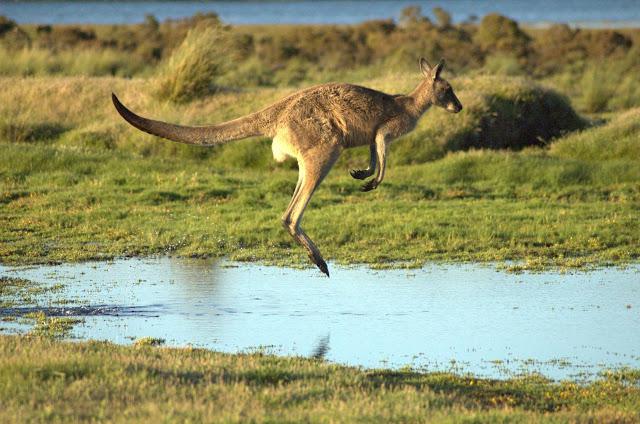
(63, 205)
(600, 86)
(78, 183)
(45, 380)
(618, 139)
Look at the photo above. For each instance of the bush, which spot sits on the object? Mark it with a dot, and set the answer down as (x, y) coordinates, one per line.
(6, 25)
(11, 35)
(195, 68)
(501, 64)
(596, 89)
(411, 15)
(443, 18)
(498, 113)
(497, 33)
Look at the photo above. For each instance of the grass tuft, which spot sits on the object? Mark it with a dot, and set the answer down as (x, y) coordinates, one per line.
(194, 69)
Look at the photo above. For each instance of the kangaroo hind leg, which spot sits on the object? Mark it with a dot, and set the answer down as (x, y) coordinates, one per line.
(313, 166)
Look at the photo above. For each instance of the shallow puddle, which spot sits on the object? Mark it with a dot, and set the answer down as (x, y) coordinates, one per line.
(463, 318)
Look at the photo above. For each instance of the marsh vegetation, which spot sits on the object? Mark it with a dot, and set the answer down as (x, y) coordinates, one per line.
(518, 175)
(100, 381)
(542, 168)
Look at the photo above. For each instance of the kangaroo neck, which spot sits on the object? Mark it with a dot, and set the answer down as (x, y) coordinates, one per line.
(422, 96)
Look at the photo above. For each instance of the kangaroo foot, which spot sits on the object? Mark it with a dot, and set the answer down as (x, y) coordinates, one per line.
(359, 174)
(369, 185)
(321, 264)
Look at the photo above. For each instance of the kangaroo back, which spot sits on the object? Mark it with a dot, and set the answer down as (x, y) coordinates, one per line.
(247, 126)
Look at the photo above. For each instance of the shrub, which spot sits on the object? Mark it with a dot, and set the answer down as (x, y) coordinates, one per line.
(501, 64)
(443, 18)
(67, 37)
(11, 35)
(195, 68)
(497, 33)
(411, 15)
(498, 113)
(6, 25)
(603, 85)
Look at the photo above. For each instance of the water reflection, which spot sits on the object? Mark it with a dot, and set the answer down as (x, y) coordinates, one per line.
(461, 317)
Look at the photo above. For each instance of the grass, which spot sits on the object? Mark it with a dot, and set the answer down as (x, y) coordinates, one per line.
(601, 86)
(43, 62)
(46, 380)
(76, 112)
(23, 292)
(63, 205)
(77, 183)
(613, 141)
(194, 69)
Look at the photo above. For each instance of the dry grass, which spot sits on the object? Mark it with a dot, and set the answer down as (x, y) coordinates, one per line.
(42, 62)
(499, 113)
(196, 67)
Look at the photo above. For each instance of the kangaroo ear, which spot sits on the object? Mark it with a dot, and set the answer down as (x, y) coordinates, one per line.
(438, 69)
(425, 67)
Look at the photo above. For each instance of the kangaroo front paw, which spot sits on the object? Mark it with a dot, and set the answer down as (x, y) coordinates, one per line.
(370, 185)
(359, 174)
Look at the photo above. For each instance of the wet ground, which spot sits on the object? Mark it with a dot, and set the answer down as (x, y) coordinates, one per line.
(464, 318)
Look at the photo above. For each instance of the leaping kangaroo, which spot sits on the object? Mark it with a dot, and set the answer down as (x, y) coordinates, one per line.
(314, 126)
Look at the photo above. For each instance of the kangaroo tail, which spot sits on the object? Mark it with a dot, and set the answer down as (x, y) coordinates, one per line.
(244, 127)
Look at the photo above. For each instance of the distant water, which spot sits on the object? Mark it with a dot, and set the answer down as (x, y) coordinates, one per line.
(591, 13)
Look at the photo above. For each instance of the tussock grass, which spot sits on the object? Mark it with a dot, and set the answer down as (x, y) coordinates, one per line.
(196, 67)
(45, 380)
(601, 86)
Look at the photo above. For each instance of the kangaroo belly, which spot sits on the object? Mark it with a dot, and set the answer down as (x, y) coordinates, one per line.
(282, 147)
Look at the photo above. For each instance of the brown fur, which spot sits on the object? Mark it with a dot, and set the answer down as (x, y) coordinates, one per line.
(314, 126)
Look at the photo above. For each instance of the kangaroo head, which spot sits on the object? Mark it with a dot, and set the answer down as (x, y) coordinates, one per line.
(441, 92)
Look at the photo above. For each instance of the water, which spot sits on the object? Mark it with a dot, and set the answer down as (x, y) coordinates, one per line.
(466, 318)
(578, 12)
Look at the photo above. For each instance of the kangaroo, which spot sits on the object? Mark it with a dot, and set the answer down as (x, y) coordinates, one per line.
(313, 126)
